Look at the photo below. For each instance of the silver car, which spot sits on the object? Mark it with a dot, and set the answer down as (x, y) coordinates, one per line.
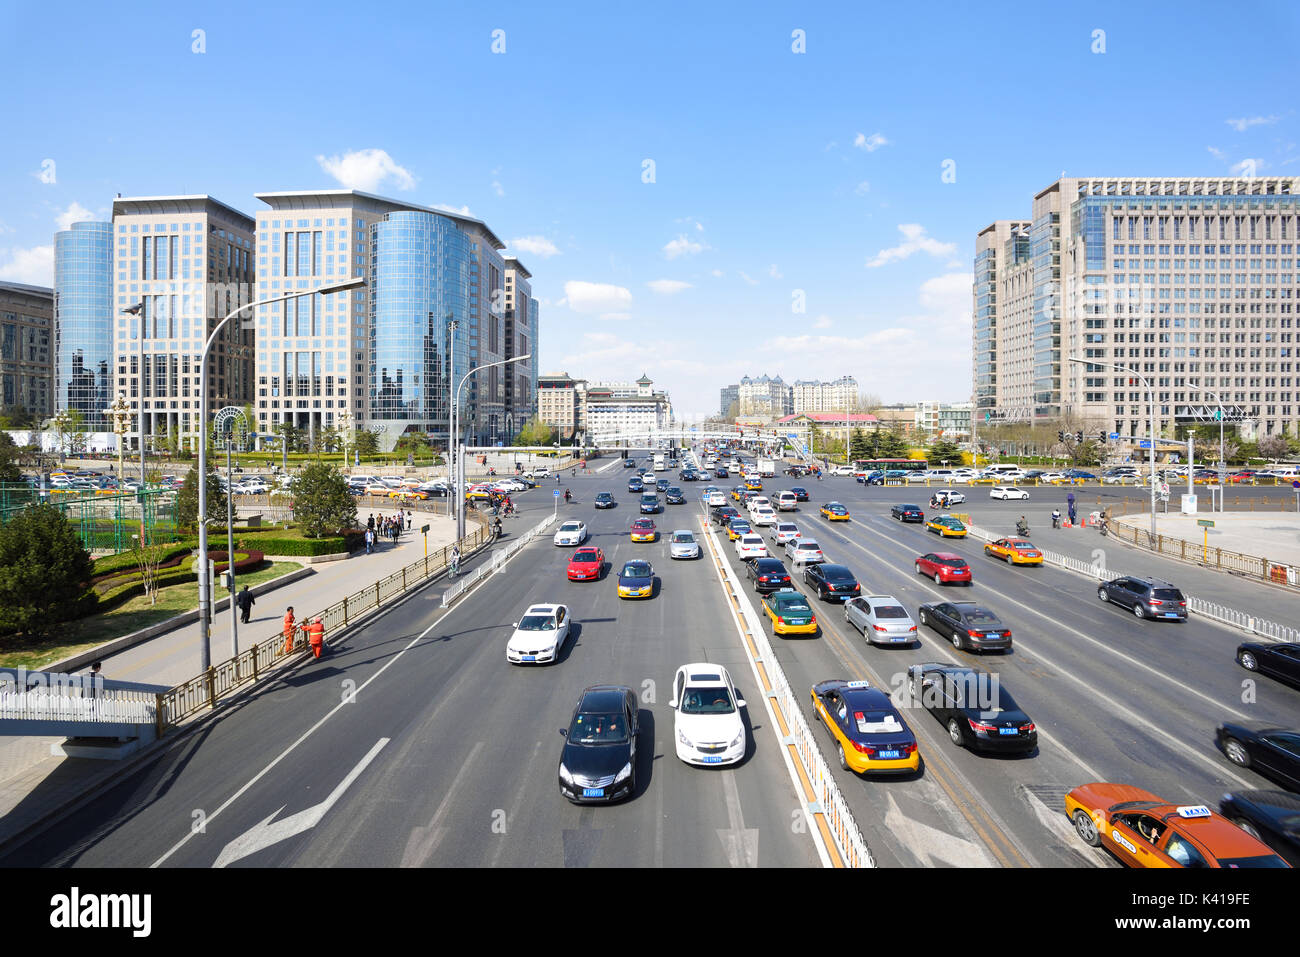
(803, 551)
(682, 544)
(882, 619)
(784, 533)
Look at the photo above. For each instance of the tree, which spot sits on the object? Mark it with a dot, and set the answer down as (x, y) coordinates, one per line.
(290, 435)
(414, 443)
(893, 445)
(535, 432)
(17, 417)
(149, 553)
(9, 471)
(945, 451)
(69, 427)
(187, 499)
(1273, 447)
(859, 447)
(44, 571)
(321, 500)
(366, 442)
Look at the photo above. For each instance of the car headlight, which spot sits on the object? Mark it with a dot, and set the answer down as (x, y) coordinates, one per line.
(565, 776)
(624, 774)
(739, 737)
(681, 736)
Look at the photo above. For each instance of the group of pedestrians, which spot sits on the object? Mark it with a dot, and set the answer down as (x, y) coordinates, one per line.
(389, 527)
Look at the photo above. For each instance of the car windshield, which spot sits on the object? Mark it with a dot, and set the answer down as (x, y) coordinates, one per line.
(806, 547)
(953, 562)
(684, 538)
(891, 611)
(1167, 594)
(707, 701)
(598, 729)
(636, 570)
(1264, 860)
(584, 556)
(786, 605)
(570, 526)
(537, 623)
(837, 574)
(980, 616)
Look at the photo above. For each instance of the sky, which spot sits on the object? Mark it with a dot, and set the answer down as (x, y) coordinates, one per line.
(701, 191)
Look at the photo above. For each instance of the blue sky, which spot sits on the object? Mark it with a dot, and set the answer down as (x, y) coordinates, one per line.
(779, 178)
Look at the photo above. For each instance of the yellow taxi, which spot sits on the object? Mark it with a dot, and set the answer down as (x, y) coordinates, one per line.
(737, 527)
(1017, 551)
(1143, 830)
(408, 494)
(643, 530)
(738, 492)
(871, 735)
(835, 512)
(754, 485)
(947, 526)
(790, 613)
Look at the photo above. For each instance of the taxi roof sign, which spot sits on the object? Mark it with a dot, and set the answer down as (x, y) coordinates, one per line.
(858, 684)
(1194, 810)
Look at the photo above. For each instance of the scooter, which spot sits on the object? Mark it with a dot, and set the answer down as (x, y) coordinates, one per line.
(1056, 521)
(1022, 529)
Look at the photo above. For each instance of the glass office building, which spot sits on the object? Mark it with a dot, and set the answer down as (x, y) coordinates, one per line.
(421, 266)
(83, 321)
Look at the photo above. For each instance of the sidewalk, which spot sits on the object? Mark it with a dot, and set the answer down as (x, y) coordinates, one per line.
(1271, 535)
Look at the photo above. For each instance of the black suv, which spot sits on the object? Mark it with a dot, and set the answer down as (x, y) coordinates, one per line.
(1146, 597)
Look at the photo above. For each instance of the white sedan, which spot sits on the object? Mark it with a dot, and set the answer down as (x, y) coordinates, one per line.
(682, 544)
(783, 532)
(763, 515)
(706, 707)
(539, 635)
(842, 470)
(954, 497)
(1007, 492)
(803, 551)
(750, 546)
(571, 532)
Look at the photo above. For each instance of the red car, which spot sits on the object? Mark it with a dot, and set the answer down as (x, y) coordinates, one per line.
(586, 565)
(943, 567)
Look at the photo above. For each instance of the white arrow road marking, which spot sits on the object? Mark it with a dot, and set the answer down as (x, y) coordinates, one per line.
(930, 844)
(423, 840)
(1057, 824)
(264, 833)
(739, 842)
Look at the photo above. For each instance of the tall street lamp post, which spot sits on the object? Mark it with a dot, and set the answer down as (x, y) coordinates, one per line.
(460, 449)
(205, 593)
(1222, 416)
(136, 310)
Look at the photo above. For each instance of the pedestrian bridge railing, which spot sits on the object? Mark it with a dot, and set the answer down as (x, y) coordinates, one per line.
(76, 706)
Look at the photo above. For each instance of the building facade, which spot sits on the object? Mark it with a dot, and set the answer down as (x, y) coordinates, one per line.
(1002, 300)
(27, 349)
(84, 360)
(611, 411)
(1188, 283)
(562, 403)
(729, 395)
(521, 340)
(944, 420)
(182, 263)
(764, 397)
(812, 395)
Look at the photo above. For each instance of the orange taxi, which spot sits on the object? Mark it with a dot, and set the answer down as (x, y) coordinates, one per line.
(1143, 830)
(1017, 551)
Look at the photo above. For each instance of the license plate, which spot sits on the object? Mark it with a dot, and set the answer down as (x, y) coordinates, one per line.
(593, 792)
(712, 759)
(529, 658)
(1008, 730)
(898, 639)
(893, 755)
(1171, 614)
(797, 621)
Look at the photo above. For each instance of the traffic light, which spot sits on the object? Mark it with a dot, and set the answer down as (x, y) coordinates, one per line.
(1078, 437)
(1101, 436)
(1060, 436)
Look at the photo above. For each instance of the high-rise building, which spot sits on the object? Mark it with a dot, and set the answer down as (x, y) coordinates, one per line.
(612, 411)
(944, 420)
(562, 403)
(84, 322)
(26, 348)
(730, 395)
(812, 395)
(182, 263)
(1003, 300)
(1188, 282)
(520, 340)
(764, 397)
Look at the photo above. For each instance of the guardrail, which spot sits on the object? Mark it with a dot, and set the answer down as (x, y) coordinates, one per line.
(465, 582)
(1197, 606)
(260, 660)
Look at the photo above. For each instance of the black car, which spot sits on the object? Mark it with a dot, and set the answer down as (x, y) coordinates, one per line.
(604, 500)
(1273, 752)
(833, 582)
(673, 496)
(688, 476)
(767, 574)
(907, 513)
(1145, 597)
(724, 514)
(661, 485)
(598, 763)
(650, 504)
(720, 473)
(629, 463)
(634, 484)
(969, 625)
(1280, 660)
(1269, 816)
(796, 470)
(977, 710)
(800, 494)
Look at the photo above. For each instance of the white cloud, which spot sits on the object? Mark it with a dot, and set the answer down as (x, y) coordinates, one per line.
(666, 287)
(914, 240)
(75, 213)
(1217, 154)
(862, 188)
(499, 189)
(366, 170)
(822, 322)
(716, 273)
(460, 210)
(1247, 167)
(1246, 122)
(595, 298)
(681, 246)
(538, 246)
(870, 143)
(34, 266)
(947, 295)
(745, 276)
(774, 272)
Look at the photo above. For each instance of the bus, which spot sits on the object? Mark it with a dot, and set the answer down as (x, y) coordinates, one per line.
(886, 465)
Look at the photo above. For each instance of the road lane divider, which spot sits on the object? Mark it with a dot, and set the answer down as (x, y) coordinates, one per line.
(467, 582)
(836, 833)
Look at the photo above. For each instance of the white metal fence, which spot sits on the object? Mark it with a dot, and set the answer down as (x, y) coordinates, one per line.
(464, 583)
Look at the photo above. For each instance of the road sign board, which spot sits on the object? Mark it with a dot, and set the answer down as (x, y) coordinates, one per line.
(1205, 522)
(1144, 443)
(1164, 488)
(1295, 484)
(556, 493)
(1114, 435)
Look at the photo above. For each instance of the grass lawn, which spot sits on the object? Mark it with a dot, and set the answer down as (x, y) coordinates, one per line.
(135, 614)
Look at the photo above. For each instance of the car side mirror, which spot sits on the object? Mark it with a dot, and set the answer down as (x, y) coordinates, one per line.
(740, 701)
(514, 624)
(673, 704)
(564, 732)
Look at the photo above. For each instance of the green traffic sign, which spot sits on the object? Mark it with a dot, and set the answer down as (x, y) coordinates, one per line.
(1205, 522)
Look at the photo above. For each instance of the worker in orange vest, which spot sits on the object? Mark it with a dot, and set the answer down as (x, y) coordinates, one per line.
(288, 631)
(316, 635)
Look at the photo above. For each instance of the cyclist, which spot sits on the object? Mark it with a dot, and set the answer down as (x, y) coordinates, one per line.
(454, 560)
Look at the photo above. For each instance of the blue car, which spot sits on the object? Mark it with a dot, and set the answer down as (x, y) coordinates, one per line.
(635, 484)
(873, 478)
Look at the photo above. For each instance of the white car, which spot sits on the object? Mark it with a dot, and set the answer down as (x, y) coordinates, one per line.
(1048, 477)
(787, 501)
(784, 532)
(803, 551)
(682, 544)
(1008, 492)
(539, 470)
(764, 515)
(758, 501)
(510, 485)
(842, 470)
(571, 532)
(539, 635)
(706, 715)
(954, 497)
(749, 546)
(717, 499)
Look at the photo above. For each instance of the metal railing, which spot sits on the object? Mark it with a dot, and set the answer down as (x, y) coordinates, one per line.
(464, 583)
(260, 660)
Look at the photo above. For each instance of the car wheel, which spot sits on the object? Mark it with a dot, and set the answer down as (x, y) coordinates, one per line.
(911, 688)
(1246, 826)
(1237, 753)
(954, 732)
(938, 579)
(956, 641)
(922, 616)
(844, 762)
(1101, 593)
(1248, 661)
(1086, 828)
(1138, 611)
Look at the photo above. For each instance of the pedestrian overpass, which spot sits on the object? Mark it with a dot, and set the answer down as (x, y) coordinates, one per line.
(106, 718)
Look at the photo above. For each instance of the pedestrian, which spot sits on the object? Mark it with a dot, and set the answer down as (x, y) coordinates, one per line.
(96, 678)
(316, 635)
(370, 522)
(408, 519)
(288, 631)
(245, 602)
(370, 541)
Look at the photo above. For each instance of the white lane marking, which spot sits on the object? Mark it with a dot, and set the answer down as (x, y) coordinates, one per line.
(265, 833)
(424, 840)
(740, 843)
(1057, 824)
(525, 780)
(930, 844)
(1137, 720)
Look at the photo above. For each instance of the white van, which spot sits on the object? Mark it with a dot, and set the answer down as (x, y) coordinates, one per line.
(787, 501)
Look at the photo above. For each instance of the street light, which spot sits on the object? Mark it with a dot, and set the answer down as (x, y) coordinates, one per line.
(1222, 416)
(136, 311)
(460, 452)
(1151, 422)
(205, 597)
(120, 413)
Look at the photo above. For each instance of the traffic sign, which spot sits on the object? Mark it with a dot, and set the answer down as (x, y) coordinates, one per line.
(1295, 484)
(556, 493)
(1114, 435)
(1205, 522)
(1144, 443)
(1164, 488)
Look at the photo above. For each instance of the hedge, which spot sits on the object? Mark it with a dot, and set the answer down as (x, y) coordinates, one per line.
(111, 564)
(120, 594)
(348, 542)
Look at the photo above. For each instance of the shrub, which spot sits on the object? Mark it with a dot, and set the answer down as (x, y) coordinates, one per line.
(43, 571)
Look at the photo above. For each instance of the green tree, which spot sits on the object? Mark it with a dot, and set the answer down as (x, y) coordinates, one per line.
(893, 445)
(44, 571)
(187, 499)
(291, 435)
(414, 443)
(944, 451)
(535, 432)
(17, 417)
(366, 442)
(321, 500)
(9, 471)
(859, 446)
